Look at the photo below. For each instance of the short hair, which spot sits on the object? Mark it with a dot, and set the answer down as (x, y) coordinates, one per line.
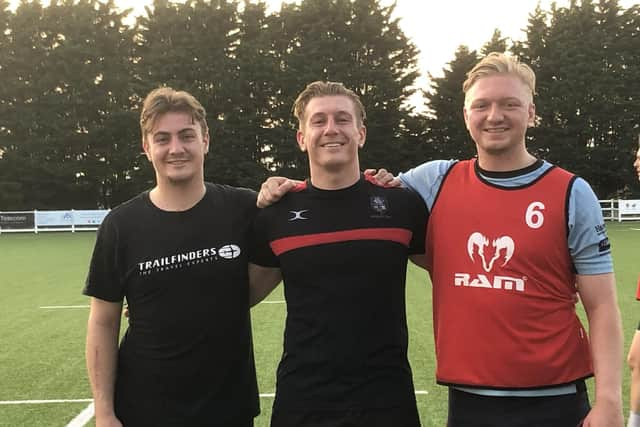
(319, 89)
(500, 63)
(164, 100)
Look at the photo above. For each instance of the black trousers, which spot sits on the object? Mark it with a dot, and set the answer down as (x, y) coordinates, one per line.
(472, 410)
(376, 417)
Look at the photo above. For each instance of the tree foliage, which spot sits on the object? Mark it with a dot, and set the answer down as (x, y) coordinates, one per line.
(73, 74)
(587, 59)
(496, 44)
(446, 128)
(67, 76)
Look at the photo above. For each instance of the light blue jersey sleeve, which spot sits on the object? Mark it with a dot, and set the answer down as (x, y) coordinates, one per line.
(588, 242)
(426, 179)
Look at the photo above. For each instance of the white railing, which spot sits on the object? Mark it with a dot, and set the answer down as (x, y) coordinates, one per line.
(609, 209)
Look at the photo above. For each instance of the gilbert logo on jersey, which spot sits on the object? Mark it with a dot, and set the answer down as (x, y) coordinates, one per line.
(486, 252)
(298, 215)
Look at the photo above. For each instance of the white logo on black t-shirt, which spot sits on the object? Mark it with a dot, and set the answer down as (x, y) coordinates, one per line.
(186, 259)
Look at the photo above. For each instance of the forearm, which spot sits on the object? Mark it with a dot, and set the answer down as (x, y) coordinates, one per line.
(101, 357)
(634, 393)
(606, 349)
(633, 360)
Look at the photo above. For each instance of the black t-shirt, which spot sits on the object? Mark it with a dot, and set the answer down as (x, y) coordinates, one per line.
(186, 357)
(343, 256)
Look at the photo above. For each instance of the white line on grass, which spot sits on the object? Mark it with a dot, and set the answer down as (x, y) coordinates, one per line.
(63, 306)
(32, 402)
(55, 307)
(83, 417)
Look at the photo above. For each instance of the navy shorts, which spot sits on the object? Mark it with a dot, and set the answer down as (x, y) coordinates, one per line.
(472, 410)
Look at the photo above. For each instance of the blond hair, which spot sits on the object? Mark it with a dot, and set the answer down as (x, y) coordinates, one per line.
(319, 89)
(165, 99)
(500, 63)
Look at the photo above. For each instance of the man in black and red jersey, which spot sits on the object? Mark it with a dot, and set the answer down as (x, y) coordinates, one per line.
(342, 244)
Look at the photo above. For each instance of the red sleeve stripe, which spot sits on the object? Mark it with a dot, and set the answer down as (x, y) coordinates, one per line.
(398, 235)
(638, 290)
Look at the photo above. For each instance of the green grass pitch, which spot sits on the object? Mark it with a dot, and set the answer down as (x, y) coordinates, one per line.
(42, 349)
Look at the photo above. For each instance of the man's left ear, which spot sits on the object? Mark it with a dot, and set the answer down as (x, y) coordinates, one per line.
(300, 140)
(465, 115)
(532, 115)
(363, 136)
(145, 149)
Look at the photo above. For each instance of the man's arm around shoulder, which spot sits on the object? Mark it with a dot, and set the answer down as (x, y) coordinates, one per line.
(103, 330)
(274, 189)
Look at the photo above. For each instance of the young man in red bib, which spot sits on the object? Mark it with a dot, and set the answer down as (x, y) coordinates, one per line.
(510, 240)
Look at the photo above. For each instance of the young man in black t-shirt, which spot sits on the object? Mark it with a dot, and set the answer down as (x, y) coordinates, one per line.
(179, 255)
(342, 244)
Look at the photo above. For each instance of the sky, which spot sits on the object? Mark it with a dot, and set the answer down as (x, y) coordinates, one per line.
(438, 27)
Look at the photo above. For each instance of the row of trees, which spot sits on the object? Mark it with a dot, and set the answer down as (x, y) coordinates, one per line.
(72, 76)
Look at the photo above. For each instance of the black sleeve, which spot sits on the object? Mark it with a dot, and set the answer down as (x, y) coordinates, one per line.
(104, 280)
(420, 216)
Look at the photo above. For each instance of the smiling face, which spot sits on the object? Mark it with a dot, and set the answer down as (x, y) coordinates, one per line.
(331, 134)
(498, 110)
(176, 147)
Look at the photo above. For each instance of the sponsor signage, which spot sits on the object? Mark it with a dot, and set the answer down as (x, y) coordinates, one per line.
(89, 217)
(17, 220)
(54, 218)
(629, 207)
(70, 218)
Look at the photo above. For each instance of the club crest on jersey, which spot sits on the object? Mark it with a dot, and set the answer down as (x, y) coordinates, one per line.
(481, 249)
(379, 206)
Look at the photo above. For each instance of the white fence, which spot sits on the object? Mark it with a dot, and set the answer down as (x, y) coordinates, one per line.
(37, 221)
(620, 210)
(86, 220)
